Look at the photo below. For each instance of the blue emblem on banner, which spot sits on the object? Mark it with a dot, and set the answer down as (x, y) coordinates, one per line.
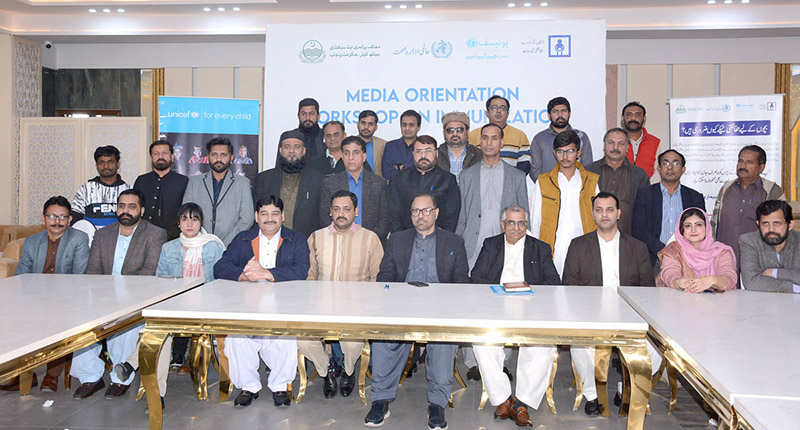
(441, 49)
(560, 45)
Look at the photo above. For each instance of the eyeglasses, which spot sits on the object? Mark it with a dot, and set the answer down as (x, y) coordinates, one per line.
(424, 151)
(53, 217)
(423, 211)
(498, 107)
(515, 224)
(563, 152)
(451, 130)
(674, 163)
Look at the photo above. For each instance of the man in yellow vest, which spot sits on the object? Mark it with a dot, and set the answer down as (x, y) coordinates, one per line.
(561, 200)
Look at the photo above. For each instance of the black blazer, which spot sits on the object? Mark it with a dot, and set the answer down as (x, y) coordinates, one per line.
(647, 215)
(451, 257)
(306, 215)
(584, 267)
(373, 206)
(538, 262)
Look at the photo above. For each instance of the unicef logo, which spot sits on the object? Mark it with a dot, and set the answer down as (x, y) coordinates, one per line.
(312, 52)
(681, 109)
(195, 114)
(441, 49)
(726, 108)
(472, 43)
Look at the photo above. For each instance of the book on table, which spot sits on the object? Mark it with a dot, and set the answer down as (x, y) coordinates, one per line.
(516, 287)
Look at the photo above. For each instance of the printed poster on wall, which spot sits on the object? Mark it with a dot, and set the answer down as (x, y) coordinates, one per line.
(190, 122)
(710, 131)
(435, 68)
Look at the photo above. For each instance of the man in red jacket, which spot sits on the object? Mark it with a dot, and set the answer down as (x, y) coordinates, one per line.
(644, 146)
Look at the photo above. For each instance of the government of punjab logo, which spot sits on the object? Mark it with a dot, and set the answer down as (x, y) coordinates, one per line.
(312, 52)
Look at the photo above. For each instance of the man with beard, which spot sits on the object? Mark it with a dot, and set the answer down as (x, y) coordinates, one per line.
(771, 255)
(163, 189)
(308, 115)
(330, 161)
(735, 209)
(425, 177)
(367, 126)
(398, 152)
(644, 146)
(130, 246)
(516, 147)
(224, 197)
(455, 155)
(342, 251)
(268, 252)
(96, 200)
(618, 175)
(542, 161)
(297, 186)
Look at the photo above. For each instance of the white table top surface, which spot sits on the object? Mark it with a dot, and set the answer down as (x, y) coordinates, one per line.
(764, 413)
(446, 305)
(38, 310)
(742, 342)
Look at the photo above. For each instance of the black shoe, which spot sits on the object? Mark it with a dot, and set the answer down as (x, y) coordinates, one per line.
(592, 408)
(245, 398)
(281, 398)
(508, 373)
(436, 417)
(124, 371)
(348, 384)
(377, 414)
(329, 385)
(87, 389)
(147, 408)
(617, 399)
(411, 370)
(473, 374)
(335, 368)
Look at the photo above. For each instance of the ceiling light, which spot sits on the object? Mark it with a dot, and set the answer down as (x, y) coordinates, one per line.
(221, 9)
(207, 9)
(402, 6)
(745, 1)
(712, 2)
(92, 10)
(388, 6)
(511, 4)
(728, 1)
(106, 10)
(527, 5)
(543, 4)
(419, 6)
(236, 9)
(121, 10)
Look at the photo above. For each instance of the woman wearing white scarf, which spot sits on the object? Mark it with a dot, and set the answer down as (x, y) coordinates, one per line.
(195, 252)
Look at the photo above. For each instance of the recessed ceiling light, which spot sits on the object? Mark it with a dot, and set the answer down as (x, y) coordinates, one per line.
(221, 9)
(207, 9)
(236, 9)
(419, 6)
(121, 10)
(745, 1)
(728, 1)
(543, 4)
(92, 10)
(106, 10)
(527, 5)
(712, 2)
(388, 6)
(511, 4)
(402, 6)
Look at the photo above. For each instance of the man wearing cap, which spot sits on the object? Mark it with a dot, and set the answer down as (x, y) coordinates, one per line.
(455, 155)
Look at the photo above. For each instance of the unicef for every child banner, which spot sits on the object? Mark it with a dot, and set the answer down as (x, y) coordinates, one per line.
(190, 122)
(710, 131)
(435, 68)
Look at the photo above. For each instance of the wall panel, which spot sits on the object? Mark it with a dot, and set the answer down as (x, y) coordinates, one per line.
(215, 82)
(178, 82)
(747, 79)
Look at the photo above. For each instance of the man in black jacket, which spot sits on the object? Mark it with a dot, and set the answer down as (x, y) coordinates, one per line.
(514, 257)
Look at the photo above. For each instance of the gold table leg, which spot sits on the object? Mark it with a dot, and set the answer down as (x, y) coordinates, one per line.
(408, 365)
(550, 402)
(151, 343)
(672, 377)
(578, 388)
(200, 357)
(362, 372)
(637, 360)
(484, 395)
(457, 374)
(602, 359)
(25, 382)
(225, 385)
(301, 369)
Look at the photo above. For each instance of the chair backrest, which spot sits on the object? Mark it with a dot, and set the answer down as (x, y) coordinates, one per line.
(86, 227)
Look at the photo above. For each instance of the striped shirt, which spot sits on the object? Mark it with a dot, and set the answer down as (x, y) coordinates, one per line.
(354, 255)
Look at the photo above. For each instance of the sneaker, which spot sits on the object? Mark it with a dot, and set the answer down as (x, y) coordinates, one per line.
(436, 417)
(377, 414)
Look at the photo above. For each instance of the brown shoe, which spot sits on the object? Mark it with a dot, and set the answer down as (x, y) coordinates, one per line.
(521, 417)
(50, 383)
(184, 370)
(115, 391)
(87, 389)
(14, 384)
(503, 412)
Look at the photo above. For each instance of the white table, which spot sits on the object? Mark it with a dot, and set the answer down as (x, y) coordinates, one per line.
(764, 413)
(44, 317)
(727, 345)
(441, 312)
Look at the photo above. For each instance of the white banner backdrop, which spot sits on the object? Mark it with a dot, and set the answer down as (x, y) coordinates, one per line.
(710, 131)
(434, 68)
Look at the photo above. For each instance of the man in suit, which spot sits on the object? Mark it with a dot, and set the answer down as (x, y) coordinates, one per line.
(771, 255)
(610, 258)
(130, 246)
(296, 184)
(273, 253)
(58, 249)
(224, 197)
(426, 254)
(369, 188)
(367, 126)
(330, 161)
(397, 154)
(513, 256)
(659, 206)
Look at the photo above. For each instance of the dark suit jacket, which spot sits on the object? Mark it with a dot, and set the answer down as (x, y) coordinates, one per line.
(291, 263)
(373, 205)
(583, 265)
(142, 255)
(306, 209)
(537, 265)
(451, 257)
(647, 215)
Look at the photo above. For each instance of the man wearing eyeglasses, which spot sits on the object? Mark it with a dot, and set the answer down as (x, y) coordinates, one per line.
(422, 254)
(455, 155)
(618, 175)
(516, 146)
(559, 113)
(58, 249)
(658, 207)
(425, 177)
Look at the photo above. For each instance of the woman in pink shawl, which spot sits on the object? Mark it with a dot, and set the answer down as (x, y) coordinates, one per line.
(694, 262)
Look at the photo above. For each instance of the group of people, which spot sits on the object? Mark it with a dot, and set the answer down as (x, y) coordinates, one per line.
(486, 206)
